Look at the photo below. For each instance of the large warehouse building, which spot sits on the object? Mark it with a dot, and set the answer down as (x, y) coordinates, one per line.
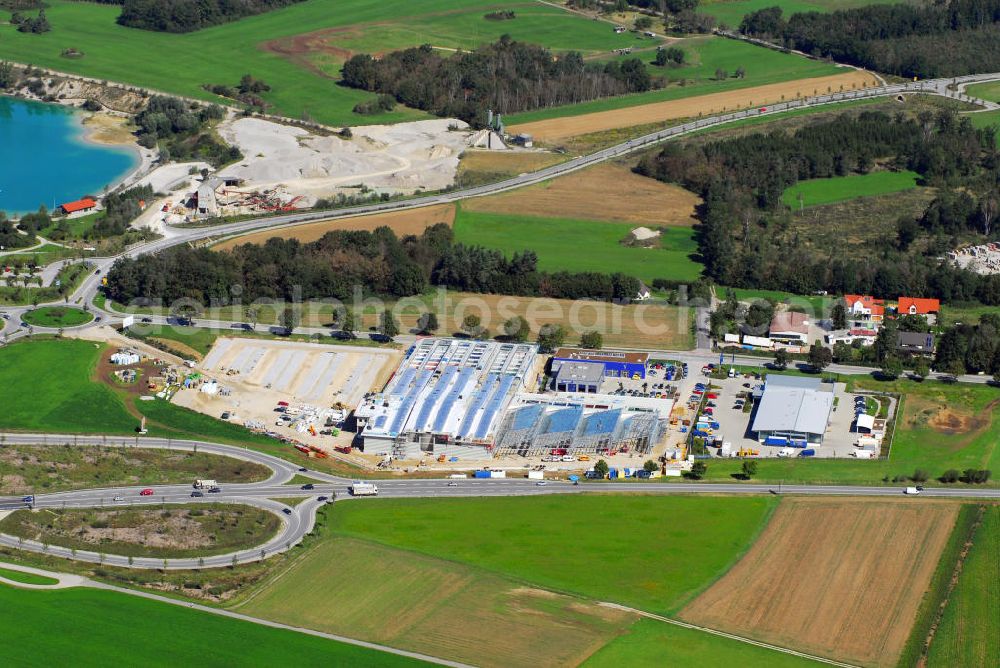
(793, 411)
(447, 398)
(538, 424)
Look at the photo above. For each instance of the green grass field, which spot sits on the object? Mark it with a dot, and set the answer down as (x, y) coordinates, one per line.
(968, 634)
(653, 644)
(987, 119)
(57, 316)
(818, 304)
(581, 245)
(731, 12)
(985, 91)
(46, 386)
(648, 552)
(706, 55)
(222, 54)
(815, 192)
(85, 627)
(27, 578)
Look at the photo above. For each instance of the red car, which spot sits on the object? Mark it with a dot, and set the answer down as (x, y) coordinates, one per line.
(146, 492)
(708, 411)
(763, 109)
(712, 395)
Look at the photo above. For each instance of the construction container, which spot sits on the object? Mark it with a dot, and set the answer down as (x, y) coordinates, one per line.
(498, 474)
(481, 474)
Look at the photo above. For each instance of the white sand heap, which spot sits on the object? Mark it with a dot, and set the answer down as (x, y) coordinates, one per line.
(395, 158)
(643, 233)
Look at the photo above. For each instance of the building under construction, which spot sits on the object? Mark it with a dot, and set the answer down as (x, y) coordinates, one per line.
(544, 424)
(448, 398)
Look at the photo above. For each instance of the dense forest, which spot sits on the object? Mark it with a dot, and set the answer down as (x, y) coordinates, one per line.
(190, 15)
(335, 265)
(939, 39)
(741, 181)
(506, 76)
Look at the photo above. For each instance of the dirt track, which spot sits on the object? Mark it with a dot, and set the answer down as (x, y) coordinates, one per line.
(413, 221)
(571, 126)
(587, 195)
(837, 577)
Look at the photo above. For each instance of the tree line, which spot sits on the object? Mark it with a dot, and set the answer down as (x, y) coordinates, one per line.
(742, 179)
(939, 39)
(186, 16)
(506, 76)
(378, 262)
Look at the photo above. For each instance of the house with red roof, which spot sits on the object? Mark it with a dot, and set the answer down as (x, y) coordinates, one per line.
(84, 205)
(866, 311)
(918, 306)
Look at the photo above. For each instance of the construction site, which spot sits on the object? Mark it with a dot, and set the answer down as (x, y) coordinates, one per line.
(289, 390)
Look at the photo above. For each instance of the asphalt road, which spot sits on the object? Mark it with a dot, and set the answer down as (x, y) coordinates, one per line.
(300, 519)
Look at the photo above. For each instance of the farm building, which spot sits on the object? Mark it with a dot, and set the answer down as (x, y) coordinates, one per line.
(447, 397)
(613, 364)
(793, 411)
(538, 424)
(85, 205)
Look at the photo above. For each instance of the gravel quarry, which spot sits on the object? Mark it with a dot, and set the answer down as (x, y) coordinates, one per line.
(386, 158)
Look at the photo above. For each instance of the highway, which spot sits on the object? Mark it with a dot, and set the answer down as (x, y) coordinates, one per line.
(298, 520)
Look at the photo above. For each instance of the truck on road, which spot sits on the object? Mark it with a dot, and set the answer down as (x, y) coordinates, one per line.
(205, 484)
(363, 489)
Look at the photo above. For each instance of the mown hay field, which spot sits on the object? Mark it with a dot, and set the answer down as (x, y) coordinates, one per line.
(373, 592)
(836, 577)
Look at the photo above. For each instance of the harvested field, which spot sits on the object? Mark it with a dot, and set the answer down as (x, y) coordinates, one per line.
(413, 221)
(556, 129)
(588, 194)
(837, 577)
(415, 602)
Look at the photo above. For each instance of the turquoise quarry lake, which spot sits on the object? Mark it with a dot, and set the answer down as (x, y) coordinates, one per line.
(44, 158)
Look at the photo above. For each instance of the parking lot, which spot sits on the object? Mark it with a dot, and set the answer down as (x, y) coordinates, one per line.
(729, 409)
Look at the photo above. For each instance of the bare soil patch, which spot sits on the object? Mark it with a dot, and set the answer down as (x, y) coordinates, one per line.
(108, 129)
(606, 192)
(557, 129)
(411, 221)
(838, 577)
(945, 418)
